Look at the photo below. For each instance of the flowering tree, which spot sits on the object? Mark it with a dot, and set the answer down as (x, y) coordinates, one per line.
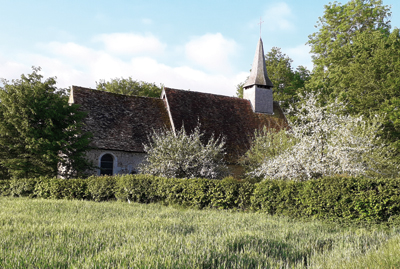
(266, 144)
(329, 144)
(181, 155)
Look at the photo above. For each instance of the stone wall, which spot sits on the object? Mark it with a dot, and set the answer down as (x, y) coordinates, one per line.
(124, 162)
(261, 99)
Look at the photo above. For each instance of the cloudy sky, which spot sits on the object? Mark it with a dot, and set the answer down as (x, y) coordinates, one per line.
(203, 45)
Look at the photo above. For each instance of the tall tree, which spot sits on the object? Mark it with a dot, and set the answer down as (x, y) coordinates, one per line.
(357, 59)
(338, 27)
(129, 87)
(39, 131)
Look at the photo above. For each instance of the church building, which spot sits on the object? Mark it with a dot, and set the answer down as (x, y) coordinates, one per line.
(121, 124)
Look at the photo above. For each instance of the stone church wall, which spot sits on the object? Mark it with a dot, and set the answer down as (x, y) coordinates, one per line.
(124, 162)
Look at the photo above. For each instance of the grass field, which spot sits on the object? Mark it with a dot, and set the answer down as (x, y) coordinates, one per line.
(79, 234)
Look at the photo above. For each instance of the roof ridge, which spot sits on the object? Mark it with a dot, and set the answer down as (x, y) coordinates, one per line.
(112, 93)
(203, 93)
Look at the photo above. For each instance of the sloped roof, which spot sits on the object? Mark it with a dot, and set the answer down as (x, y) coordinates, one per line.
(221, 116)
(258, 75)
(119, 122)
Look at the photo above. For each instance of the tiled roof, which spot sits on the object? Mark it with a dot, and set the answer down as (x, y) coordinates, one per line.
(120, 122)
(221, 116)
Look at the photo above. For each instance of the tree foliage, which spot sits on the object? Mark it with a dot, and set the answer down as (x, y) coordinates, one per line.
(357, 60)
(340, 24)
(287, 82)
(39, 131)
(181, 155)
(266, 144)
(129, 87)
(328, 144)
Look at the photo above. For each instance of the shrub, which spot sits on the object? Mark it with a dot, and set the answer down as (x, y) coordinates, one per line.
(101, 188)
(58, 188)
(20, 187)
(333, 198)
(180, 155)
(139, 188)
(5, 187)
(330, 198)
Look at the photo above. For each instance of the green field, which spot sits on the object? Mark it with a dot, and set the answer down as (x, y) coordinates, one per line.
(39, 233)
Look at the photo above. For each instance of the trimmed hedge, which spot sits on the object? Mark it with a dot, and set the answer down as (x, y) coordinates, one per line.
(333, 198)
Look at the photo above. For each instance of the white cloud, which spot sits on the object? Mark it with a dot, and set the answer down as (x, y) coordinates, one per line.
(300, 56)
(278, 17)
(74, 64)
(212, 52)
(11, 69)
(72, 52)
(131, 44)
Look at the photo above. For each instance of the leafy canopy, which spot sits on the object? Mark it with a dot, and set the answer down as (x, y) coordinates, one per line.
(357, 60)
(39, 131)
(181, 155)
(129, 87)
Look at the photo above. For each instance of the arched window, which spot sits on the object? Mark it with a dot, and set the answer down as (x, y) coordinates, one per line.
(106, 165)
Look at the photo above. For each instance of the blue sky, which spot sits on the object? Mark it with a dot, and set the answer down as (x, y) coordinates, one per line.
(203, 45)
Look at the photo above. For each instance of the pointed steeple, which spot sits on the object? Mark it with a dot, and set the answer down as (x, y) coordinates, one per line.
(258, 75)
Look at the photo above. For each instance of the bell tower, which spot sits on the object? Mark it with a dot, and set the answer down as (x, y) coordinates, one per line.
(258, 87)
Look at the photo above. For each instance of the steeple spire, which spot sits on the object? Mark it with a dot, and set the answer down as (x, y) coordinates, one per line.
(258, 75)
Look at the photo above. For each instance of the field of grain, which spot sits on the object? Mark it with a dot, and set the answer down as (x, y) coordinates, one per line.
(39, 233)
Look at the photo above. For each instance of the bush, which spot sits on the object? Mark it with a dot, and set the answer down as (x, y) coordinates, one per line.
(22, 187)
(266, 144)
(139, 188)
(333, 198)
(330, 198)
(5, 187)
(57, 188)
(180, 155)
(101, 188)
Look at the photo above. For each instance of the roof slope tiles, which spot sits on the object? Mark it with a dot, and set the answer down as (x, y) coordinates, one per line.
(120, 122)
(221, 116)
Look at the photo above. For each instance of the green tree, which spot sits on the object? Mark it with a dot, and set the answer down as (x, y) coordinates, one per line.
(266, 144)
(357, 60)
(39, 131)
(286, 81)
(129, 87)
(339, 26)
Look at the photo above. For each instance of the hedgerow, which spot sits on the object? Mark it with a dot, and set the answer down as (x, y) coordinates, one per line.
(364, 199)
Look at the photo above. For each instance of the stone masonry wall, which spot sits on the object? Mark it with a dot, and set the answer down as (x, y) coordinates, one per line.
(124, 162)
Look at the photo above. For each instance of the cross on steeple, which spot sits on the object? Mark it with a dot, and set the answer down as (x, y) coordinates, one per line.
(260, 25)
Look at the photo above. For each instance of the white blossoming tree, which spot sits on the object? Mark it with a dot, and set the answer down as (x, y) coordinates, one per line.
(329, 143)
(181, 155)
